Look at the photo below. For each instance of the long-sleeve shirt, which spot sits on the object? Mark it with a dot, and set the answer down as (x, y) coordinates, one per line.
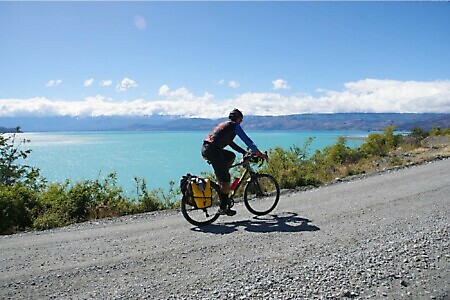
(224, 134)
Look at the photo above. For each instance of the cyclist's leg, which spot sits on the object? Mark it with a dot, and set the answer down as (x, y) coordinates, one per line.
(223, 176)
(220, 161)
(229, 158)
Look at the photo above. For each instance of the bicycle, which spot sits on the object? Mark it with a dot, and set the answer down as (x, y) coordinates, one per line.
(261, 194)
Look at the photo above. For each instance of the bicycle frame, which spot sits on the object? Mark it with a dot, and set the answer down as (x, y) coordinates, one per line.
(248, 170)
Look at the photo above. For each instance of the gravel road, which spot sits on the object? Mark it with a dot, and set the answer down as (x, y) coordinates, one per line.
(383, 236)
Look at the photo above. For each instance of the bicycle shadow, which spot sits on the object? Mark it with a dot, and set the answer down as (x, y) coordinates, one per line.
(288, 222)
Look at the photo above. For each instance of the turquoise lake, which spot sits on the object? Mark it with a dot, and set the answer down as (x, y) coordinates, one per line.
(156, 156)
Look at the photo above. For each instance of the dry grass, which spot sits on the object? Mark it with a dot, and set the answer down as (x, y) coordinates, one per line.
(405, 155)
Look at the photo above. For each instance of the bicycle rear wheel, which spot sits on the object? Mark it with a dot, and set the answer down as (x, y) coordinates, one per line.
(201, 216)
(261, 194)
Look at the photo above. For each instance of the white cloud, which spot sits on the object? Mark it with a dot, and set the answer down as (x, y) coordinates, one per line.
(140, 23)
(280, 84)
(88, 82)
(182, 94)
(221, 81)
(370, 95)
(106, 82)
(126, 84)
(163, 90)
(53, 83)
(233, 84)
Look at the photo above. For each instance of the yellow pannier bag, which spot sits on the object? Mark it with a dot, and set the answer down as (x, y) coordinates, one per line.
(201, 191)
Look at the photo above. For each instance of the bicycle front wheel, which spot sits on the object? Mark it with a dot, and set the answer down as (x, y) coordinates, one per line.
(201, 216)
(261, 194)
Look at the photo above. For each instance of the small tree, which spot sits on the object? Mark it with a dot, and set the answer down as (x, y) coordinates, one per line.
(11, 170)
(380, 144)
(291, 167)
(438, 131)
(419, 133)
(340, 153)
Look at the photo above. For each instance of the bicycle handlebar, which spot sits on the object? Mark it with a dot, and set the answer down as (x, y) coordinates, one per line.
(253, 157)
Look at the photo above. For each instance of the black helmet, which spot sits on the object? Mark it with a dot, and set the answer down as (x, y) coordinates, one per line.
(235, 114)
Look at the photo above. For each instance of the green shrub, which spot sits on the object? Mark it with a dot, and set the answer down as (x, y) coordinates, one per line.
(172, 199)
(98, 198)
(419, 133)
(54, 207)
(17, 203)
(156, 199)
(82, 197)
(63, 204)
(11, 171)
(49, 220)
(380, 144)
(340, 153)
(290, 167)
(438, 131)
(414, 138)
(148, 201)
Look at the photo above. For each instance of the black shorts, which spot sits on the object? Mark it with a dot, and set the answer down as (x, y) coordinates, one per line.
(220, 159)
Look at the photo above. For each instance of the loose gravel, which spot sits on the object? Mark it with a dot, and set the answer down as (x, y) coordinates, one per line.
(380, 237)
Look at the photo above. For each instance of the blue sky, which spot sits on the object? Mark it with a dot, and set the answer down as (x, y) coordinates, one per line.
(204, 58)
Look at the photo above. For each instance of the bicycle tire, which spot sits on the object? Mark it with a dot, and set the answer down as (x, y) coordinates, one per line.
(201, 217)
(261, 194)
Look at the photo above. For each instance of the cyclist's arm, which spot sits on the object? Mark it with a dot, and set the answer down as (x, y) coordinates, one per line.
(237, 148)
(244, 137)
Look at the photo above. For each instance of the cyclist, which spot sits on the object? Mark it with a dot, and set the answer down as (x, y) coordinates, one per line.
(221, 159)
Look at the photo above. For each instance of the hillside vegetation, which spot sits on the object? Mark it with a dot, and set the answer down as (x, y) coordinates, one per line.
(27, 201)
(380, 151)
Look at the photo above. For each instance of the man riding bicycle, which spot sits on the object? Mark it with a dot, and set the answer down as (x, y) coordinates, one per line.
(221, 159)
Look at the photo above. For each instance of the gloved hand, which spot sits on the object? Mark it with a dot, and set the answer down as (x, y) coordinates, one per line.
(264, 155)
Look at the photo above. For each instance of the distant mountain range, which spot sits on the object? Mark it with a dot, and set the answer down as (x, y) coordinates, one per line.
(341, 121)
